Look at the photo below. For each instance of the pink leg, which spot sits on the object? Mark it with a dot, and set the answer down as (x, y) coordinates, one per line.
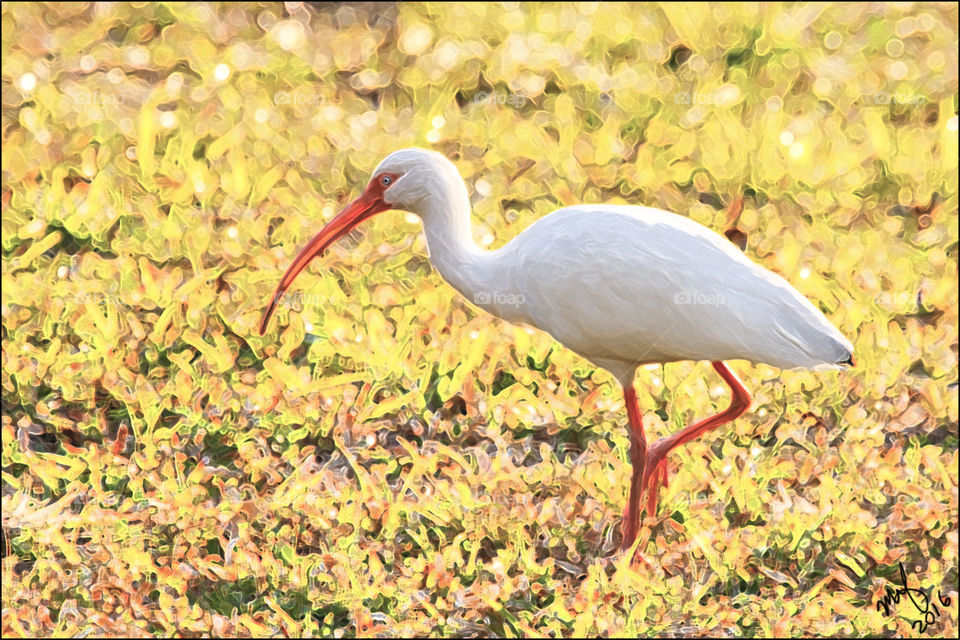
(638, 454)
(655, 472)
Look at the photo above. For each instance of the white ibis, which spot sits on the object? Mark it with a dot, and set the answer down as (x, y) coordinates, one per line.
(622, 286)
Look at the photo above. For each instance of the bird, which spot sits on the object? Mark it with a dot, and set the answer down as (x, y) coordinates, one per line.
(623, 286)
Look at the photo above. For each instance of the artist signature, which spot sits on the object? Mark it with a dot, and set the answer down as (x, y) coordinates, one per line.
(928, 610)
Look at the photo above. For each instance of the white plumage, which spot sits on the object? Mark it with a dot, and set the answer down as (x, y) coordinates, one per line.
(639, 285)
(620, 285)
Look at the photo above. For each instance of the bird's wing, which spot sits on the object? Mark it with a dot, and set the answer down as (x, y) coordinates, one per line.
(644, 285)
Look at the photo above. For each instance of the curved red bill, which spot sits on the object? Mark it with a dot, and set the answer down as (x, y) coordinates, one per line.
(366, 205)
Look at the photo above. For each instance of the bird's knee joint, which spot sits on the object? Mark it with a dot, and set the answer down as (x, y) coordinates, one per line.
(741, 403)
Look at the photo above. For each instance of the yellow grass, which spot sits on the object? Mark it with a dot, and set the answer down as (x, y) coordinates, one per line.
(388, 460)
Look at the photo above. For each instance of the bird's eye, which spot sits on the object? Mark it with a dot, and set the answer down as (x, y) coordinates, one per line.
(386, 181)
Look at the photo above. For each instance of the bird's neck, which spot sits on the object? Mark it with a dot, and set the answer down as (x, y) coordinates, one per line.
(453, 253)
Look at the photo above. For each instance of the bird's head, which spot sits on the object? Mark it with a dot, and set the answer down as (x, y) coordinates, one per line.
(421, 175)
(404, 180)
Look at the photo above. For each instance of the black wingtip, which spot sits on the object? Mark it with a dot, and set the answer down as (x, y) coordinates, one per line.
(849, 361)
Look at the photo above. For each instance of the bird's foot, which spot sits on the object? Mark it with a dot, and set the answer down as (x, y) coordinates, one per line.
(640, 558)
(630, 534)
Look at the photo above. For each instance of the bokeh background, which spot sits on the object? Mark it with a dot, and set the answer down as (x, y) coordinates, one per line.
(388, 459)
